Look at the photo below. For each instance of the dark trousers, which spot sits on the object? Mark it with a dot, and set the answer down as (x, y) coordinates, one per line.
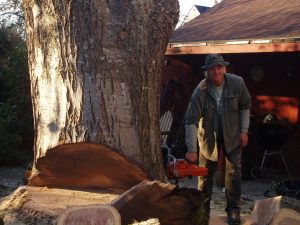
(232, 178)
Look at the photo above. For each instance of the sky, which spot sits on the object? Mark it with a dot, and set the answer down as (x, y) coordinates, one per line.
(185, 5)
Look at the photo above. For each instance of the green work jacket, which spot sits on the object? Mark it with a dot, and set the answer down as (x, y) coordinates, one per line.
(202, 112)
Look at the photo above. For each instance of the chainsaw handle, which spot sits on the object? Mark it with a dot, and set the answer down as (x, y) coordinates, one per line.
(188, 161)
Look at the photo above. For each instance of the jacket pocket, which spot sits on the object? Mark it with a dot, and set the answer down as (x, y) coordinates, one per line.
(232, 102)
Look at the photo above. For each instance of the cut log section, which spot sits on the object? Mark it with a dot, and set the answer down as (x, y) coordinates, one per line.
(265, 210)
(286, 217)
(86, 165)
(165, 202)
(90, 215)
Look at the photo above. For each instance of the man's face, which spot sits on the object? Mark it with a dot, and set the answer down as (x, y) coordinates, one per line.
(216, 74)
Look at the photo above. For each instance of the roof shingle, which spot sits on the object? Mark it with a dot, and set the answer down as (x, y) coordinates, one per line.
(243, 19)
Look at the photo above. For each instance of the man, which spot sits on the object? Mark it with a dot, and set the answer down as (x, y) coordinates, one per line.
(219, 115)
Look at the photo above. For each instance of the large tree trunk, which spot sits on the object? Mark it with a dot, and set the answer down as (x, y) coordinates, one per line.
(95, 74)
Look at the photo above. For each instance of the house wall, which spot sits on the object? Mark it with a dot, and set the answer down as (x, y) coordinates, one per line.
(278, 92)
(193, 13)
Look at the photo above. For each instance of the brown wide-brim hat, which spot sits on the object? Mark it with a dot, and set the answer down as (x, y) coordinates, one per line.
(212, 60)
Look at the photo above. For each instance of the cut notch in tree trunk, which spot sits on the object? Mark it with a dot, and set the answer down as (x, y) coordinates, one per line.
(86, 165)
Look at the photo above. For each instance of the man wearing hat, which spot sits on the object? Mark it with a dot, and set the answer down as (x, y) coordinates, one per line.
(218, 116)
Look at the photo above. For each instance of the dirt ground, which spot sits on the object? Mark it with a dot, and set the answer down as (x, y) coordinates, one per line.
(11, 178)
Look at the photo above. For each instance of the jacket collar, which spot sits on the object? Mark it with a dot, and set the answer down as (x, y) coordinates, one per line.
(207, 85)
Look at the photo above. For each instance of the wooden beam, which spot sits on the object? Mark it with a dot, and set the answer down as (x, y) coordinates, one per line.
(233, 48)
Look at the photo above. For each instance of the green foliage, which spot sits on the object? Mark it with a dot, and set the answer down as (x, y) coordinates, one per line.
(11, 13)
(16, 122)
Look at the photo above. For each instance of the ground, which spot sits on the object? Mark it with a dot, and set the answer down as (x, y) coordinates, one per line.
(251, 191)
(11, 178)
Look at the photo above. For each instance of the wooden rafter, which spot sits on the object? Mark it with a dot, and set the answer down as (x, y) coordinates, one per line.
(233, 48)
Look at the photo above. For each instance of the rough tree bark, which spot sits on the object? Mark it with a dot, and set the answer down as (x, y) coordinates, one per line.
(95, 74)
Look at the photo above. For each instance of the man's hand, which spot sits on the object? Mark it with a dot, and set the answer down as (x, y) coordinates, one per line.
(244, 140)
(191, 156)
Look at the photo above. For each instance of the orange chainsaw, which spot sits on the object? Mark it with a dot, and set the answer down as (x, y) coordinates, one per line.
(180, 168)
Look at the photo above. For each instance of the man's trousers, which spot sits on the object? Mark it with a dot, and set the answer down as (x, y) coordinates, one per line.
(232, 179)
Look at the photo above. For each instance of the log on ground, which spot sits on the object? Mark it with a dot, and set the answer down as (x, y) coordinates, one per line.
(165, 202)
(40, 205)
(286, 216)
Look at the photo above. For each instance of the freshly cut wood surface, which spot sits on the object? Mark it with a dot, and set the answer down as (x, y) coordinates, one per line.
(86, 165)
